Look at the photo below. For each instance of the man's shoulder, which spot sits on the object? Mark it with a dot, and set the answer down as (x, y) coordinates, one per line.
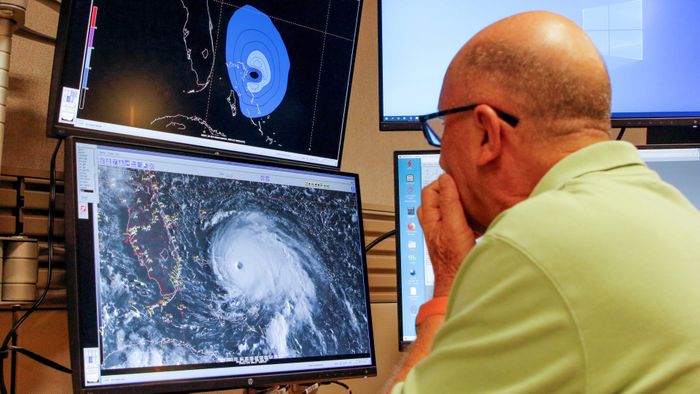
(542, 216)
(623, 257)
(601, 202)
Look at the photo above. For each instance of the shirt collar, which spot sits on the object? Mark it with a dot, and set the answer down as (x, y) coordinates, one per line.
(601, 156)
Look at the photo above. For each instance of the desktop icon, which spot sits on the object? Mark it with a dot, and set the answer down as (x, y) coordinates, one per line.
(409, 178)
(409, 189)
(413, 291)
(411, 257)
(411, 211)
(411, 226)
(410, 164)
(412, 244)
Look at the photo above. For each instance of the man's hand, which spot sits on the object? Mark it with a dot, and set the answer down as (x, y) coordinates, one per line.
(446, 231)
(449, 239)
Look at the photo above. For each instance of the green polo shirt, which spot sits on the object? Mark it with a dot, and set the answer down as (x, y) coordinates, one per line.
(590, 285)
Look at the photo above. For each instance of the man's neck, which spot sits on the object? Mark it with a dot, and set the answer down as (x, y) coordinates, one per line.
(520, 173)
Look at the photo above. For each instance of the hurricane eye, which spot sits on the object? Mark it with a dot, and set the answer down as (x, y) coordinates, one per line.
(257, 62)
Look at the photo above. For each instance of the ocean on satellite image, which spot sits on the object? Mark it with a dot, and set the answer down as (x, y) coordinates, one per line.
(202, 270)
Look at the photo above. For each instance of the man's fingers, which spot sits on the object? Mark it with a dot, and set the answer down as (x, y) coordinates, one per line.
(451, 205)
(429, 210)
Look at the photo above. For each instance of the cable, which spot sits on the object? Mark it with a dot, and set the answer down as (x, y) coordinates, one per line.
(622, 133)
(345, 386)
(5, 348)
(41, 359)
(380, 239)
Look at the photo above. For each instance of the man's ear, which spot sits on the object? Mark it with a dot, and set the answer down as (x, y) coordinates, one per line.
(491, 128)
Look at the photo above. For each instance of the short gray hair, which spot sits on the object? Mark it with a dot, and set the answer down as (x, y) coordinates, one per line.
(542, 87)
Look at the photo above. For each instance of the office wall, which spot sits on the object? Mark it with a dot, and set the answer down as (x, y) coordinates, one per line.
(25, 144)
(367, 152)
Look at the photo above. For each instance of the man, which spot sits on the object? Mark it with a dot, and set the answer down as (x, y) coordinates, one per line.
(587, 278)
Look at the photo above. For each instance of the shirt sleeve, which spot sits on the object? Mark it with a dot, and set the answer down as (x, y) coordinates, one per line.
(507, 329)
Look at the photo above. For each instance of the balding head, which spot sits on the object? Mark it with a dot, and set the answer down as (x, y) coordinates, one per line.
(540, 66)
(543, 69)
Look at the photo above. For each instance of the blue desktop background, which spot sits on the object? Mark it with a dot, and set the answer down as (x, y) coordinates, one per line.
(410, 246)
(651, 48)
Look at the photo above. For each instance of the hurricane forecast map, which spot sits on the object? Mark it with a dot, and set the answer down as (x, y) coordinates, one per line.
(203, 270)
(265, 74)
(257, 62)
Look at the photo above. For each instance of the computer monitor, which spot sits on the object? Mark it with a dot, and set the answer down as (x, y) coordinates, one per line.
(678, 165)
(190, 272)
(650, 48)
(413, 170)
(263, 78)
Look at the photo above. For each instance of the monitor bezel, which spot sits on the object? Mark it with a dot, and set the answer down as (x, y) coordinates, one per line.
(191, 385)
(617, 119)
(54, 129)
(403, 345)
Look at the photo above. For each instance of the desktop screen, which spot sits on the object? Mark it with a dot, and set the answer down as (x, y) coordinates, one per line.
(650, 48)
(413, 171)
(188, 268)
(677, 165)
(264, 78)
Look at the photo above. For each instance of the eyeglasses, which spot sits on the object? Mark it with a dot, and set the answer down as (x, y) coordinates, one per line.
(433, 125)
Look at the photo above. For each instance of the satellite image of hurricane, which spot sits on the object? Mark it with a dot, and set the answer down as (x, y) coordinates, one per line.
(200, 270)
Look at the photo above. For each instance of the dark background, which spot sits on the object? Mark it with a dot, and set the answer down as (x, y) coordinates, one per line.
(139, 69)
